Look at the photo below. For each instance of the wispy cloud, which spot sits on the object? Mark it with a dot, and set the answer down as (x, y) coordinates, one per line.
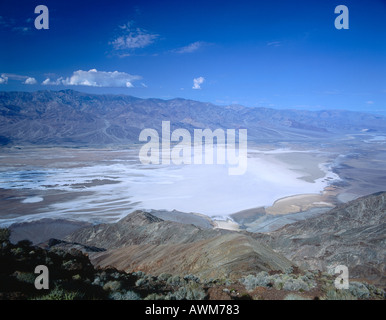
(14, 25)
(6, 22)
(197, 82)
(274, 44)
(131, 38)
(191, 47)
(25, 79)
(370, 102)
(21, 29)
(95, 78)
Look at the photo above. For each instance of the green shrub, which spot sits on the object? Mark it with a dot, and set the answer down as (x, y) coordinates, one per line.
(292, 296)
(191, 277)
(140, 282)
(338, 294)
(295, 285)
(128, 295)
(60, 294)
(262, 279)
(5, 233)
(154, 296)
(26, 277)
(174, 281)
(24, 243)
(192, 291)
(359, 290)
(164, 276)
(112, 286)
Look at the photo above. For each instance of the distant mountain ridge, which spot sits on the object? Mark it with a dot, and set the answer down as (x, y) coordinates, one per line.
(69, 117)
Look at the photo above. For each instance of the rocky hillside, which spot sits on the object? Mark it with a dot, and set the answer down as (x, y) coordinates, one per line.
(352, 234)
(144, 242)
(69, 117)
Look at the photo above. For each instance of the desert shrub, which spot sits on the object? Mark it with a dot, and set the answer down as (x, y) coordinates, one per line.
(112, 286)
(209, 281)
(191, 277)
(289, 270)
(376, 292)
(174, 281)
(17, 251)
(292, 296)
(140, 282)
(115, 275)
(139, 274)
(295, 285)
(278, 284)
(359, 290)
(154, 296)
(24, 243)
(76, 277)
(97, 281)
(5, 233)
(262, 279)
(279, 281)
(26, 277)
(192, 291)
(72, 265)
(128, 295)
(339, 294)
(164, 276)
(60, 294)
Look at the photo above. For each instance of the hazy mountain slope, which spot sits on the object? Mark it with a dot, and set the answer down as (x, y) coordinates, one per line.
(226, 256)
(141, 228)
(352, 234)
(143, 242)
(70, 117)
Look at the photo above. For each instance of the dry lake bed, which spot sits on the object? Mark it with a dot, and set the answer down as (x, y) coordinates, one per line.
(282, 184)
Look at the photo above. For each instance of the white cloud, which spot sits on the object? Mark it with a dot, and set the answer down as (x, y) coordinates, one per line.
(3, 79)
(95, 78)
(370, 102)
(133, 38)
(25, 79)
(30, 80)
(14, 76)
(191, 47)
(197, 82)
(48, 81)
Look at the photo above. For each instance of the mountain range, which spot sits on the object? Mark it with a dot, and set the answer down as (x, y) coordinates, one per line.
(69, 117)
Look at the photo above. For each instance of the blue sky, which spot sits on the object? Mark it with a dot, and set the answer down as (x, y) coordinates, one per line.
(278, 54)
